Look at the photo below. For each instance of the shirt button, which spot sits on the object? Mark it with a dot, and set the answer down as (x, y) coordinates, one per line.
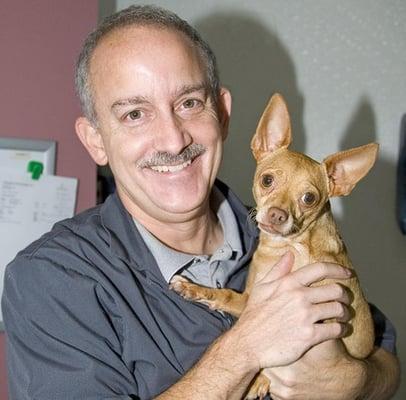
(218, 284)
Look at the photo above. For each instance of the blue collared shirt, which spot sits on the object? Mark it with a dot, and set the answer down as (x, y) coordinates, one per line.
(89, 315)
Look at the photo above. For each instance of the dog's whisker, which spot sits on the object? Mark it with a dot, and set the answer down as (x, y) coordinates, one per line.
(251, 216)
(295, 229)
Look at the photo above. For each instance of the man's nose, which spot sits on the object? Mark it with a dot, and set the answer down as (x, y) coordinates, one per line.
(171, 135)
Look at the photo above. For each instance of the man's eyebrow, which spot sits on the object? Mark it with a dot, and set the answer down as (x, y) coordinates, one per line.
(130, 101)
(184, 90)
(187, 89)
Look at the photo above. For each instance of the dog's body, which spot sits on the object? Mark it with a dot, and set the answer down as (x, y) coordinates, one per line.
(293, 213)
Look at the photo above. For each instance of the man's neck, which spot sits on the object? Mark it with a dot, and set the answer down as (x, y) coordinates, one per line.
(201, 233)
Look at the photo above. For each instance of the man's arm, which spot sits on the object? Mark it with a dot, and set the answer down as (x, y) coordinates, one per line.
(222, 373)
(382, 376)
(342, 377)
(54, 318)
(382, 366)
(225, 371)
(278, 325)
(61, 343)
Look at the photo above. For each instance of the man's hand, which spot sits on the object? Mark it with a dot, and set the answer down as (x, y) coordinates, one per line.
(327, 371)
(280, 321)
(276, 328)
(324, 372)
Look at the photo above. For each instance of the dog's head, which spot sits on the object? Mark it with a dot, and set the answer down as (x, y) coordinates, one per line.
(291, 189)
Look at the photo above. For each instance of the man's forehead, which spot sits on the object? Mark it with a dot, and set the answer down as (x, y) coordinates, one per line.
(142, 36)
(156, 46)
(137, 64)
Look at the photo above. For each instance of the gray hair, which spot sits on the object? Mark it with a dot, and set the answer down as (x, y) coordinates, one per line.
(139, 16)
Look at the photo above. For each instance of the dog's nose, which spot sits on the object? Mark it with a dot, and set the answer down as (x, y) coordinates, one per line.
(277, 216)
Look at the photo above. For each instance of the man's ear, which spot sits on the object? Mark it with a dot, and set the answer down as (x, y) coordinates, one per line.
(274, 129)
(224, 110)
(92, 140)
(345, 168)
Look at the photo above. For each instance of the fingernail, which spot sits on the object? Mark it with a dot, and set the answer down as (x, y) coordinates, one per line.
(348, 272)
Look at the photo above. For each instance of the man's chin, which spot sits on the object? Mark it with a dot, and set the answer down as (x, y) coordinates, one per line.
(180, 203)
(177, 192)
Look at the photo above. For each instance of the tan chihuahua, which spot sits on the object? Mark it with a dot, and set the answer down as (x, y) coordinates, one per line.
(292, 194)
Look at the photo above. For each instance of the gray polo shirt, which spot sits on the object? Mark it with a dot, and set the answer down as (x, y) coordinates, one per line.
(209, 270)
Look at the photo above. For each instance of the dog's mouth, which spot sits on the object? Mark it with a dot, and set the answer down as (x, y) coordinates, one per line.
(283, 230)
(269, 229)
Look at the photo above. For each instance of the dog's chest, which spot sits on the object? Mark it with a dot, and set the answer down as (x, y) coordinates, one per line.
(269, 252)
(301, 253)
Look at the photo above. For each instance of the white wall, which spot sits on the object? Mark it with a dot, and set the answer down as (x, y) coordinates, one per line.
(342, 68)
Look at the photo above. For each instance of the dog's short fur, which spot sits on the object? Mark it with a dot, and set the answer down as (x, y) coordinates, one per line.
(292, 194)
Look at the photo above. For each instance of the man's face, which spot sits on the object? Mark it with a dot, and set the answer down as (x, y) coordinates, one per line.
(152, 103)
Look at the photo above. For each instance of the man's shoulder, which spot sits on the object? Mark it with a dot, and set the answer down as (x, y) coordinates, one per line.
(65, 247)
(81, 227)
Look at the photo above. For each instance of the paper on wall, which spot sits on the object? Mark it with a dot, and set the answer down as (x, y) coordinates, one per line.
(28, 209)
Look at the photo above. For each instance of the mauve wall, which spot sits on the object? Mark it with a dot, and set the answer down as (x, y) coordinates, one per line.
(39, 42)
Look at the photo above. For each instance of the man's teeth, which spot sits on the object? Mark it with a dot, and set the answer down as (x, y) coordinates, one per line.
(170, 168)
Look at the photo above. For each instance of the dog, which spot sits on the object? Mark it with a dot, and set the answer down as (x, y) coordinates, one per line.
(293, 214)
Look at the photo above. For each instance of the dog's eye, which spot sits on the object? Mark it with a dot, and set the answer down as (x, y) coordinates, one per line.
(267, 180)
(309, 198)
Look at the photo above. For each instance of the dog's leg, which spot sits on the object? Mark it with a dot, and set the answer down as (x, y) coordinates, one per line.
(217, 299)
(259, 388)
(360, 342)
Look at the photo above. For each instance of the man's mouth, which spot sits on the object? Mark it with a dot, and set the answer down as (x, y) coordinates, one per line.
(166, 162)
(171, 168)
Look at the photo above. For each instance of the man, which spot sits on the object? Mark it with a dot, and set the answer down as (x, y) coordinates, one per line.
(88, 309)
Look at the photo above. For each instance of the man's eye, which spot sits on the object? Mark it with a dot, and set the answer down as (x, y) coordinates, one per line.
(133, 115)
(191, 103)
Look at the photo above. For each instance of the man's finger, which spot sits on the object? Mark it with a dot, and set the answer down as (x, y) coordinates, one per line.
(318, 271)
(280, 269)
(330, 330)
(333, 309)
(329, 292)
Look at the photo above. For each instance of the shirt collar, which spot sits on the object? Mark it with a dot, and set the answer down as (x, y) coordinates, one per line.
(228, 222)
(126, 242)
(171, 261)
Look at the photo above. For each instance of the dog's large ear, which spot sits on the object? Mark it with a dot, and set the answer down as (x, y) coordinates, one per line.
(273, 131)
(345, 168)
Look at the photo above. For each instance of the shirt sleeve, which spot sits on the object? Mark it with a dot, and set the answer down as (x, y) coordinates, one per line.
(63, 335)
(385, 332)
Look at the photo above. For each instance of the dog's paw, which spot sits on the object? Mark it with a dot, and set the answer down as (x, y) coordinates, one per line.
(177, 283)
(259, 389)
(192, 292)
(185, 288)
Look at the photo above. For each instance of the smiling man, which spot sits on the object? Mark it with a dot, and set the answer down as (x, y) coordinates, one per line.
(88, 310)
(159, 130)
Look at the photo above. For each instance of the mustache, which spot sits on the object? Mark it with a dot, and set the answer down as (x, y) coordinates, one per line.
(165, 158)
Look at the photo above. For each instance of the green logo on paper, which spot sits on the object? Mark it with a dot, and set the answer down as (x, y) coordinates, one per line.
(36, 168)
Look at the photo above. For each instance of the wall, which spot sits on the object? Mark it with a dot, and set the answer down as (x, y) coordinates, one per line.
(39, 42)
(341, 67)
